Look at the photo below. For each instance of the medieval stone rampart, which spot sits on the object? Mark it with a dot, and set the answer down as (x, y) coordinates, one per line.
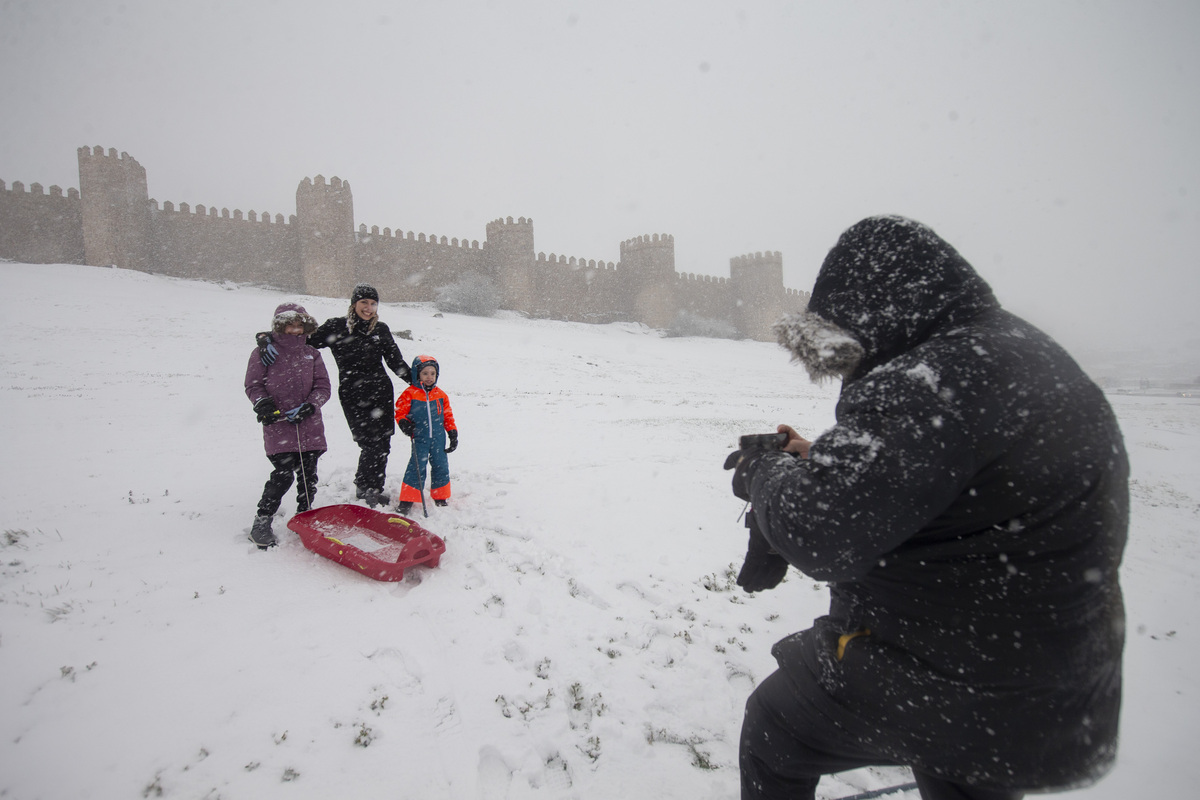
(112, 220)
(215, 245)
(412, 265)
(40, 228)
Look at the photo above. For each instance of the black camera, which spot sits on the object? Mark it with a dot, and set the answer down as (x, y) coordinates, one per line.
(755, 441)
(763, 441)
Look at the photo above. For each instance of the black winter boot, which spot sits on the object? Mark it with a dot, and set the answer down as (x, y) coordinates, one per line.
(403, 507)
(260, 533)
(373, 497)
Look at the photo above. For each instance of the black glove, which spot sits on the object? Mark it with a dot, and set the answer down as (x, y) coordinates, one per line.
(267, 411)
(763, 567)
(405, 374)
(301, 412)
(407, 427)
(453, 441)
(743, 464)
(266, 349)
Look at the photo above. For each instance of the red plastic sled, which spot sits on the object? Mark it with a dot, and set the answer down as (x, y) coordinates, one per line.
(377, 544)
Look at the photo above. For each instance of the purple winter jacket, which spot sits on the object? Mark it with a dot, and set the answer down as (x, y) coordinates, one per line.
(297, 376)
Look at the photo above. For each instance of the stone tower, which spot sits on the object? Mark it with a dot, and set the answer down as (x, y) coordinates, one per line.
(510, 259)
(647, 279)
(757, 284)
(114, 209)
(325, 226)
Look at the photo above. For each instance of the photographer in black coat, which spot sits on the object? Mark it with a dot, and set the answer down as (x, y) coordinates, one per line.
(969, 510)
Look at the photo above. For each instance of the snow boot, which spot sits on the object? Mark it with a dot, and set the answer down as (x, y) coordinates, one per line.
(260, 533)
(403, 507)
(373, 497)
(442, 503)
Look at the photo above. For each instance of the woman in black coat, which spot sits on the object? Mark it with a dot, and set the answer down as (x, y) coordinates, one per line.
(361, 344)
(968, 510)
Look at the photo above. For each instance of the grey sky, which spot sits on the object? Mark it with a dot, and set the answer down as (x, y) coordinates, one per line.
(1053, 143)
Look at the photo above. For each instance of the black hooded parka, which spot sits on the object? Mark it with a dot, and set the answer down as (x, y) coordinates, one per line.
(969, 511)
(360, 349)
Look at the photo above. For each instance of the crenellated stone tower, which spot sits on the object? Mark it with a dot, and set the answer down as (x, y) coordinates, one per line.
(647, 279)
(758, 293)
(114, 209)
(509, 257)
(325, 227)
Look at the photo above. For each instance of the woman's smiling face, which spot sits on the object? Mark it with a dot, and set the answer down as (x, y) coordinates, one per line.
(366, 308)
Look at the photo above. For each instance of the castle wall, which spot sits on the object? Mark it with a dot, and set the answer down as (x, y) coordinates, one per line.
(112, 220)
(409, 267)
(40, 228)
(207, 244)
(576, 290)
(704, 296)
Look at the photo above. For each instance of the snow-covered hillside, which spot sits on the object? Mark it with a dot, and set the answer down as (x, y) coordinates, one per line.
(582, 636)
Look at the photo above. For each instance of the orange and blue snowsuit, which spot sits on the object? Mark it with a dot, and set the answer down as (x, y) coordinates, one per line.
(429, 412)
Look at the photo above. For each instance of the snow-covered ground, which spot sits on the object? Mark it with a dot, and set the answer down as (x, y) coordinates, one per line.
(582, 636)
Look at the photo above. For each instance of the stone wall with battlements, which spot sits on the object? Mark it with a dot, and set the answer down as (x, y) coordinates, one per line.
(111, 220)
(37, 227)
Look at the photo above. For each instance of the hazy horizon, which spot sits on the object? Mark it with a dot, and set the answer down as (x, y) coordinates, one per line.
(1052, 144)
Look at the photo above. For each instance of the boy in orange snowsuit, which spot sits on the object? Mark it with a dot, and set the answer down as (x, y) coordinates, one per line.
(423, 414)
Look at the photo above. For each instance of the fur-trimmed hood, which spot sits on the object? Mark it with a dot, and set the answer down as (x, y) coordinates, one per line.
(287, 313)
(886, 286)
(824, 349)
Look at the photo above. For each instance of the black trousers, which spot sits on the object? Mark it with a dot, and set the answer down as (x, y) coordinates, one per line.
(786, 747)
(372, 464)
(287, 465)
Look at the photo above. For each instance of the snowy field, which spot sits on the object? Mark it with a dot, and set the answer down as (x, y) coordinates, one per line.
(582, 637)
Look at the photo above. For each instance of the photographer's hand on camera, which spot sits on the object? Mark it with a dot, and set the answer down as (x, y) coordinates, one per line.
(755, 449)
(796, 444)
(763, 568)
(744, 463)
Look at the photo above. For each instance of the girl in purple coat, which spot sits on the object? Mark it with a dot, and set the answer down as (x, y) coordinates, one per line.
(287, 397)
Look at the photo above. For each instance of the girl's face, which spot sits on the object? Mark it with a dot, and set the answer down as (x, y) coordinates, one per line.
(428, 375)
(294, 329)
(366, 309)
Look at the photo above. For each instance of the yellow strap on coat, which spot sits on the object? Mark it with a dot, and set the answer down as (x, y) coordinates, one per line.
(845, 638)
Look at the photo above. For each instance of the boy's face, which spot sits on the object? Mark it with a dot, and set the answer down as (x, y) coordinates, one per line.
(428, 375)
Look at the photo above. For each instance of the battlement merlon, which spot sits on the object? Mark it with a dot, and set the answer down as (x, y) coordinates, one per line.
(573, 262)
(316, 186)
(751, 259)
(36, 190)
(648, 242)
(97, 153)
(510, 241)
(506, 224)
(761, 269)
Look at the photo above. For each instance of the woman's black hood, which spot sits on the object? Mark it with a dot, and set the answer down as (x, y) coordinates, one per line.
(888, 283)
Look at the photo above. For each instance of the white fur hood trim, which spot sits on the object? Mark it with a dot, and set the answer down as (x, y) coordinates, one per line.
(825, 350)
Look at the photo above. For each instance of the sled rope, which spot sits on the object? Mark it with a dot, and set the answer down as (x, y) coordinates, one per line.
(303, 476)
